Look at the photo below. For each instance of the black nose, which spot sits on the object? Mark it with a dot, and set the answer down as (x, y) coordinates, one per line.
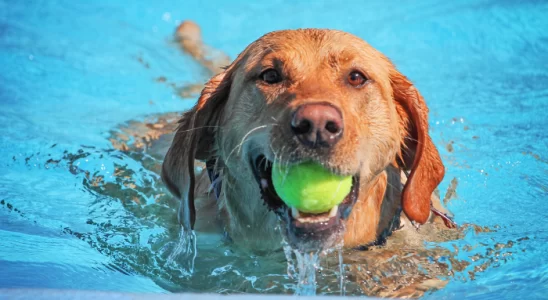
(317, 125)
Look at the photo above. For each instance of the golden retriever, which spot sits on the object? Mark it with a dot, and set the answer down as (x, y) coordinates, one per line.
(304, 95)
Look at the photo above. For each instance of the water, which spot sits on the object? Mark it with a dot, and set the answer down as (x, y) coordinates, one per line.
(76, 213)
(341, 273)
(304, 266)
(182, 252)
(306, 277)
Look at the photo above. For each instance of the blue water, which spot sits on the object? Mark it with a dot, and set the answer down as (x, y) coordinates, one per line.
(72, 71)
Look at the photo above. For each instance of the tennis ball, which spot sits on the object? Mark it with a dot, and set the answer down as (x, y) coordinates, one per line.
(309, 187)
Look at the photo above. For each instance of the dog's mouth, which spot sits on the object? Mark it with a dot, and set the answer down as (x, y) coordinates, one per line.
(305, 231)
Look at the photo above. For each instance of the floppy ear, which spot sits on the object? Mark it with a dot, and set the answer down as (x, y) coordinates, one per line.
(418, 150)
(194, 139)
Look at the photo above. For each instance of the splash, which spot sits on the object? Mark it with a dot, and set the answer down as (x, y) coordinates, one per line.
(307, 263)
(127, 185)
(182, 253)
(302, 266)
(341, 272)
(288, 251)
(305, 270)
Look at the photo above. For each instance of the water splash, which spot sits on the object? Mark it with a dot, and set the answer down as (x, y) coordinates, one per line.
(288, 251)
(182, 253)
(307, 263)
(303, 266)
(305, 272)
(341, 272)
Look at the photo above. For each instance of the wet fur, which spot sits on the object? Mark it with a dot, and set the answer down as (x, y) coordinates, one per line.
(386, 132)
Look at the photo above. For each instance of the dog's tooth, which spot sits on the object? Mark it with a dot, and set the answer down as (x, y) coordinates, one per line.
(295, 213)
(264, 183)
(314, 219)
(333, 211)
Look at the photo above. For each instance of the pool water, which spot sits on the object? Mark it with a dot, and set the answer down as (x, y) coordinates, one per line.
(77, 213)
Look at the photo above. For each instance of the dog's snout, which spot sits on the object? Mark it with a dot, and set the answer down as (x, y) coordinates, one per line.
(317, 125)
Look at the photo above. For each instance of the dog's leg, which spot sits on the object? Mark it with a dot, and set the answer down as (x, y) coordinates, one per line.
(189, 37)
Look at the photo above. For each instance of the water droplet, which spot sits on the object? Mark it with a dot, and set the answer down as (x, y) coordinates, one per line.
(166, 17)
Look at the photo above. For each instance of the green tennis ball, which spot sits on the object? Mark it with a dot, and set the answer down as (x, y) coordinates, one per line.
(309, 187)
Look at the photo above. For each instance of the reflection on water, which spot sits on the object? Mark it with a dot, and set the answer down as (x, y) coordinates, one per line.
(82, 205)
(134, 222)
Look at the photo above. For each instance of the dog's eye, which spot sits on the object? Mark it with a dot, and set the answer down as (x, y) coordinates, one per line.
(270, 76)
(356, 79)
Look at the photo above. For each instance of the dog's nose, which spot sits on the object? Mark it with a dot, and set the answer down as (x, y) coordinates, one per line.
(317, 125)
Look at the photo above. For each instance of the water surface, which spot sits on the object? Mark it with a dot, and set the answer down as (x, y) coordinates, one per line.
(72, 71)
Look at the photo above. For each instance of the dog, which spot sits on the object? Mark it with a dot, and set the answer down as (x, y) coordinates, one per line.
(402, 261)
(295, 96)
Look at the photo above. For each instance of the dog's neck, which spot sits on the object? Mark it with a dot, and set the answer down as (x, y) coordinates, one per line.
(246, 218)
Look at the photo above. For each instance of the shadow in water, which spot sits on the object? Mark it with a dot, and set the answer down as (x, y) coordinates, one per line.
(133, 221)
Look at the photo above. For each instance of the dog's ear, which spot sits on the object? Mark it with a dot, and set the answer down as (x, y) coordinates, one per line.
(418, 151)
(195, 139)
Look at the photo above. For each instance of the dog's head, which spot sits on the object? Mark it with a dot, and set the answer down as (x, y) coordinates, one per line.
(306, 95)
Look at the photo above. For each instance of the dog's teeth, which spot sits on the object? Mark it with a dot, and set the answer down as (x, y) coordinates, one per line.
(314, 219)
(333, 211)
(264, 183)
(295, 213)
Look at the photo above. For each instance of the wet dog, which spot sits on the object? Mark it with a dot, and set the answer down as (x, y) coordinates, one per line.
(304, 95)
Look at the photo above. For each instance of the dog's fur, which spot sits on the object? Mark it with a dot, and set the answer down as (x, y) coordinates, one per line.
(401, 267)
(385, 133)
